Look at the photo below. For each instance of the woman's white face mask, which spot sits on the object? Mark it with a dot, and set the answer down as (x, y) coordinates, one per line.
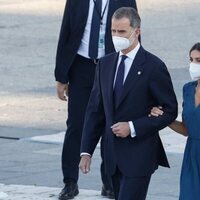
(194, 71)
(122, 43)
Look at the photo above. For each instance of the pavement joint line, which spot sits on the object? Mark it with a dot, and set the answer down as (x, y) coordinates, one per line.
(9, 138)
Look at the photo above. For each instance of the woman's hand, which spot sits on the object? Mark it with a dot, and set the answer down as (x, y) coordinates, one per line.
(156, 111)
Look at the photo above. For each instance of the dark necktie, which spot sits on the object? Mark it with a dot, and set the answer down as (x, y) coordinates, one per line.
(95, 28)
(119, 81)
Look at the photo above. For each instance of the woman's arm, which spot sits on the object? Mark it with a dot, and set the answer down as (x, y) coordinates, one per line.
(179, 127)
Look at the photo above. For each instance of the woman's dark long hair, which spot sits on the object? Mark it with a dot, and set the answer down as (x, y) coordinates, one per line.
(195, 47)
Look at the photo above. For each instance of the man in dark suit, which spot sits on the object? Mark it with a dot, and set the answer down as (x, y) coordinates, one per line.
(127, 85)
(85, 36)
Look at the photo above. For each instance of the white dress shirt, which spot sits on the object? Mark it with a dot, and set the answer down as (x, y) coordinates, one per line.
(84, 46)
(128, 62)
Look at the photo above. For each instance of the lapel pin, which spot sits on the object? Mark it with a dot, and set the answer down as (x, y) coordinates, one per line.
(139, 73)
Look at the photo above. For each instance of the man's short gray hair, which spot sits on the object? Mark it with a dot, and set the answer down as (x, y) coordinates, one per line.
(130, 13)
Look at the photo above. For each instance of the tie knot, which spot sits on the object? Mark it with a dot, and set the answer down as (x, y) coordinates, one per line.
(123, 58)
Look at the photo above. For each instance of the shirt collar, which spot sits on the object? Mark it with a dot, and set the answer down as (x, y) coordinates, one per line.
(132, 53)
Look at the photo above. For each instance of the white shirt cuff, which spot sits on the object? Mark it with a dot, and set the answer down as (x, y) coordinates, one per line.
(133, 134)
(85, 154)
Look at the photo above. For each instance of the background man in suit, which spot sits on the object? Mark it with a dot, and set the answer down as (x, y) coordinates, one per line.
(127, 85)
(85, 36)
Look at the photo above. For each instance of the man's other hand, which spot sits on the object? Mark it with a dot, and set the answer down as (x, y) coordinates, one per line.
(85, 163)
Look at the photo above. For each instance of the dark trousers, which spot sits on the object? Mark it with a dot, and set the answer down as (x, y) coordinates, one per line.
(81, 78)
(130, 188)
(106, 179)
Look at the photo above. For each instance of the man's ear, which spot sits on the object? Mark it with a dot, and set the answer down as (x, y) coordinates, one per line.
(138, 31)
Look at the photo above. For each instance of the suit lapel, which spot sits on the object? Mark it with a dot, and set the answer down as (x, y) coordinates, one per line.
(111, 74)
(113, 5)
(134, 74)
(82, 9)
(85, 9)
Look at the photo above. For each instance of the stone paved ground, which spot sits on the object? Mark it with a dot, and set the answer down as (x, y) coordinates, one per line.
(19, 192)
(28, 105)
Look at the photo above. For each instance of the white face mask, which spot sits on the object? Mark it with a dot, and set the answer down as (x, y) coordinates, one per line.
(194, 71)
(122, 43)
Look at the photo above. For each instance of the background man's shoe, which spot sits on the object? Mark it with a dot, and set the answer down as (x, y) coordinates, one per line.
(108, 193)
(69, 191)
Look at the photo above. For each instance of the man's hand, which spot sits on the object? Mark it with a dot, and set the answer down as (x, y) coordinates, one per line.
(62, 91)
(121, 129)
(85, 163)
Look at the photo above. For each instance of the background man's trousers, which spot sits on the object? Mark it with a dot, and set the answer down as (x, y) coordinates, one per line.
(81, 78)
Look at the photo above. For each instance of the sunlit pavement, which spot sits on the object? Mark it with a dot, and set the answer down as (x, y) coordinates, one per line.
(32, 119)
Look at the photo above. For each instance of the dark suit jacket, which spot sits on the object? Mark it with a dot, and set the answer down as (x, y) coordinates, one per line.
(72, 29)
(148, 84)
